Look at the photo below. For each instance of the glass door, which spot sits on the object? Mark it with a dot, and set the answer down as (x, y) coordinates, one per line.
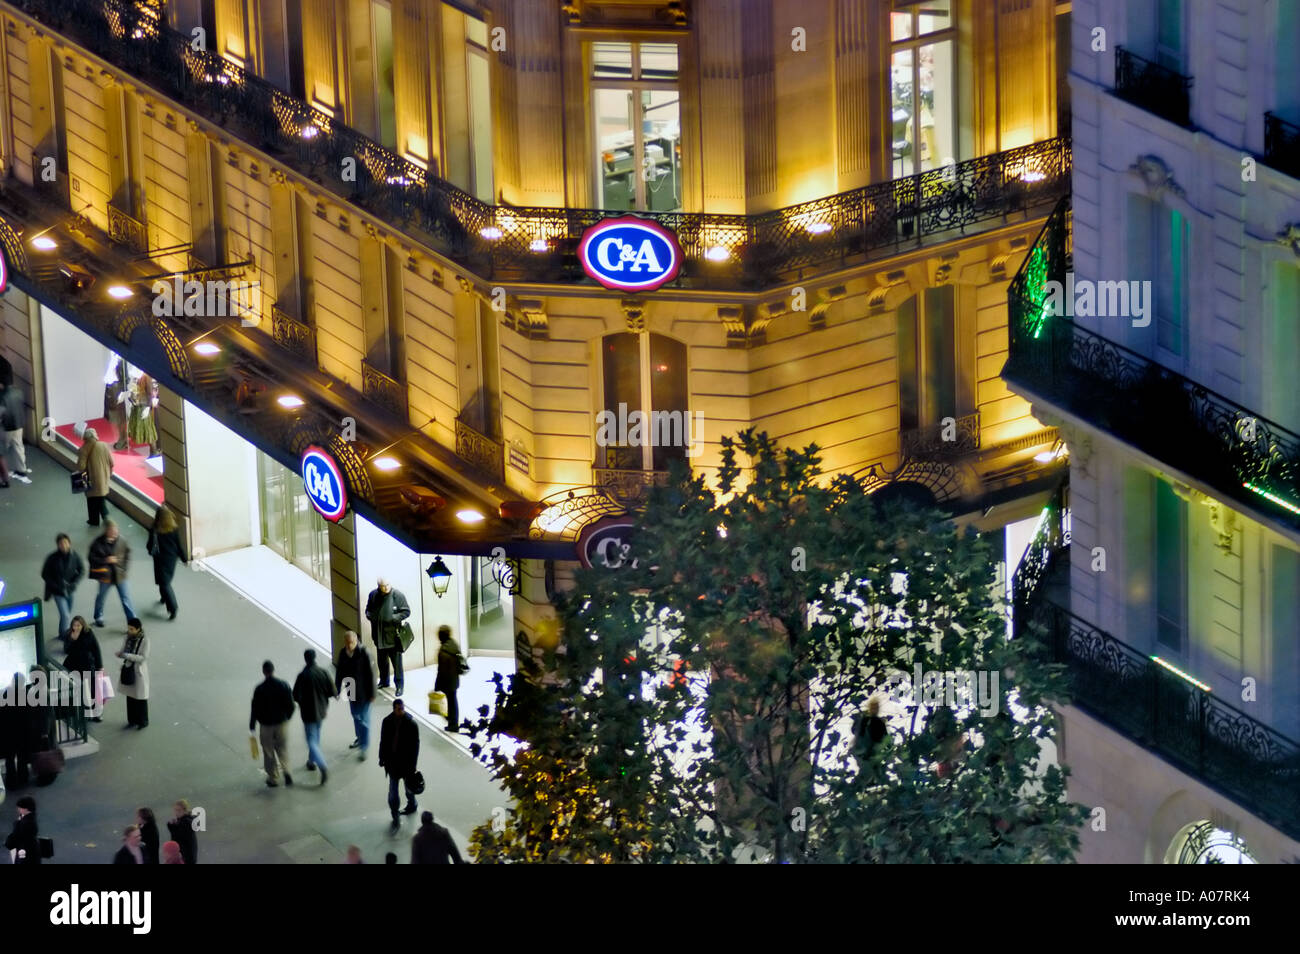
(290, 525)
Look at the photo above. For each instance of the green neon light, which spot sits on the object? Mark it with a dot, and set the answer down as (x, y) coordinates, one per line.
(1273, 498)
(1036, 290)
(1182, 675)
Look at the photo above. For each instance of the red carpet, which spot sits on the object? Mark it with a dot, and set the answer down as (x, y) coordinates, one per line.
(129, 465)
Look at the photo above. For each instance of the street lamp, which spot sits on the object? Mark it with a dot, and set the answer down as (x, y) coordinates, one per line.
(440, 575)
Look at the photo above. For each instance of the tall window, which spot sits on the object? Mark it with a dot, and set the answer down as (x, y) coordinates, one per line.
(1281, 345)
(385, 104)
(1158, 238)
(645, 373)
(927, 358)
(923, 73)
(635, 103)
(1156, 32)
(478, 101)
(1155, 534)
(1287, 80)
(1170, 567)
(279, 31)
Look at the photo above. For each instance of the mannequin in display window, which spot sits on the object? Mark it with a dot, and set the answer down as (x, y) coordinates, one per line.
(141, 427)
(117, 390)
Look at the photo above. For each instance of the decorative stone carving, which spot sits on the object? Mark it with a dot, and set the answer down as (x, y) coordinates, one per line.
(634, 314)
(1290, 237)
(817, 317)
(1157, 177)
(534, 322)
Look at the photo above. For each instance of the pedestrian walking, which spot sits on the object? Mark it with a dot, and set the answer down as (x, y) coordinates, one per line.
(95, 460)
(109, 556)
(181, 828)
(62, 571)
(165, 547)
(869, 730)
(354, 664)
(387, 610)
(354, 856)
(451, 666)
(312, 691)
(85, 657)
(13, 416)
(134, 679)
(171, 853)
(21, 730)
(148, 825)
(132, 850)
(272, 710)
(399, 754)
(23, 842)
(433, 844)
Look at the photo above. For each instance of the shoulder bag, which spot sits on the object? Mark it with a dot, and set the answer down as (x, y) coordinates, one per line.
(80, 481)
(405, 635)
(128, 667)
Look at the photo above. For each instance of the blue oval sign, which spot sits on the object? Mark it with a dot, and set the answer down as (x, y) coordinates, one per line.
(630, 254)
(324, 483)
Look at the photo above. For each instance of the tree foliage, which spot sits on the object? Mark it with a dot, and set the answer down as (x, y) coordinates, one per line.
(706, 703)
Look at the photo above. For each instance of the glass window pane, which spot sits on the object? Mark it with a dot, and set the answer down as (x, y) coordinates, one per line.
(1170, 603)
(900, 26)
(476, 31)
(903, 106)
(909, 414)
(658, 61)
(480, 123)
(622, 373)
(1171, 232)
(934, 15)
(668, 394)
(615, 144)
(386, 103)
(938, 134)
(661, 162)
(1169, 34)
(611, 60)
(940, 354)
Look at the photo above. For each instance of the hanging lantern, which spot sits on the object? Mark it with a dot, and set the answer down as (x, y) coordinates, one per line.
(440, 575)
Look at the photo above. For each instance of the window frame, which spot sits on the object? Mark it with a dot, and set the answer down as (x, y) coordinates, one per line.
(645, 390)
(926, 390)
(637, 84)
(913, 43)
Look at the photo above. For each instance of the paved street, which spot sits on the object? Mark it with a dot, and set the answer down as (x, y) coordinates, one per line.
(203, 669)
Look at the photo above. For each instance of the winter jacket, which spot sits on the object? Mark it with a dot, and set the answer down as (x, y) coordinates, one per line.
(137, 651)
(84, 654)
(166, 549)
(450, 659)
(399, 745)
(13, 412)
(182, 832)
(358, 668)
(125, 857)
(61, 573)
(101, 550)
(312, 690)
(433, 845)
(23, 838)
(149, 842)
(386, 612)
(272, 703)
(96, 459)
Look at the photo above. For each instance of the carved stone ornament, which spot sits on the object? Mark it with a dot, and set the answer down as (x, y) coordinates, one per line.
(1290, 237)
(1157, 177)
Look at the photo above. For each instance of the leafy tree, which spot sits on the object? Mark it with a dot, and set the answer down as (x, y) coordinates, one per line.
(709, 702)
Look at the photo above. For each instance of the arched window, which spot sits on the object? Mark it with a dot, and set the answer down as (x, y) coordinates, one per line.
(1203, 844)
(644, 422)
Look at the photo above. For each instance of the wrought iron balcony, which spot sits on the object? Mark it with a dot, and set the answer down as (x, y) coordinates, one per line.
(127, 231)
(932, 443)
(294, 336)
(1243, 456)
(1282, 145)
(628, 486)
(1246, 760)
(1155, 88)
(480, 451)
(383, 391)
(504, 243)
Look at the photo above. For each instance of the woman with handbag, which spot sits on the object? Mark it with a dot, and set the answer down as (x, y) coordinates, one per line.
(95, 460)
(134, 680)
(165, 548)
(85, 659)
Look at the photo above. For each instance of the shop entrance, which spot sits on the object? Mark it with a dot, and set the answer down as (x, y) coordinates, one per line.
(290, 525)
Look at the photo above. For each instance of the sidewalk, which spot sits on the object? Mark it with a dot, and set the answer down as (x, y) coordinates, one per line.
(203, 668)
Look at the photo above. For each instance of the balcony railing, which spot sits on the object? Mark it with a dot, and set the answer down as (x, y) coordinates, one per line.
(1155, 88)
(1244, 457)
(294, 336)
(480, 451)
(383, 391)
(127, 231)
(1282, 145)
(940, 442)
(540, 244)
(628, 486)
(1246, 760)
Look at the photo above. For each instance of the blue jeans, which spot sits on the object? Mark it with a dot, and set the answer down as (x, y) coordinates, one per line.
(392, 796)
(64, 603)
(361, 723)
(121, 592)
(314, 754)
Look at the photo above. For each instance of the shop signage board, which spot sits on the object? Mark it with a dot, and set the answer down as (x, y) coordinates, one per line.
(324, 483)
(606, 543)
(628, 253)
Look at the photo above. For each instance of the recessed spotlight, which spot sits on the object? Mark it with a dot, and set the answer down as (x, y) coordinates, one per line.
(818, 228)
(1033, 177)
(717, 254)
(290, 401)
(120, 292)
(207, 348)
(490, 232)
(386, 463)
(44, 243)
(309, 132)
(538, 245)
(469, 516)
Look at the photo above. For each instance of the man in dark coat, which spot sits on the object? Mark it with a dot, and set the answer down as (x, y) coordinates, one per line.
(109, 556)
(354, 664)
(312, 691)
(21, 729)
(387, 610)
(62, 571)
(399, 752)
(451, 665)
(272, 709)
(23, 839)
(433, 844)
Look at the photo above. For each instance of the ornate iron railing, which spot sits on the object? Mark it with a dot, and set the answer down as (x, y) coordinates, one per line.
(383, 391)
(128, 231)
(66, 715)
(1242, 455)
(1282, 145)
(628, 486)
(1049, 547)
(1155, 88)
(933, 442)
(296, 337)
(480, 451)
(503, 243)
